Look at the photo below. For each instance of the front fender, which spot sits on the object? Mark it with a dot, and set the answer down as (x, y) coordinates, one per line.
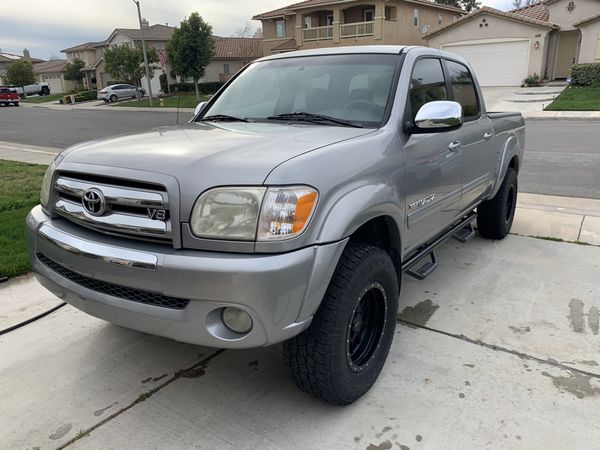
(357, 207)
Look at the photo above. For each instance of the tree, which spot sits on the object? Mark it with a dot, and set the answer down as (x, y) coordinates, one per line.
(467, 5)
(126, 63)
(246, 31)
(191, 48)
(516, 4)
(73, 71)
(19, 73)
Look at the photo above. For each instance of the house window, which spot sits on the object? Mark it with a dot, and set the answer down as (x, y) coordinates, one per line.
(280, 28)
(308, 22)
(329, 20)
(226, 69)
(416, 17)
(390, 13)
(439, 19)
(368, 15)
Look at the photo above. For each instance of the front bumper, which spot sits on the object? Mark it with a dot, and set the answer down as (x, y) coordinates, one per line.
(280, 292)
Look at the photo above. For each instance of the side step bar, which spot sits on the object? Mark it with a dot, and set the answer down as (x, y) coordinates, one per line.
(463, 231)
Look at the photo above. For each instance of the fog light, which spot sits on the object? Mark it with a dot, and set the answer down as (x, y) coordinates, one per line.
(237, 320)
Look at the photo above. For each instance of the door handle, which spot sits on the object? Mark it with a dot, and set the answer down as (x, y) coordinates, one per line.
(454, 146)
(488, 135)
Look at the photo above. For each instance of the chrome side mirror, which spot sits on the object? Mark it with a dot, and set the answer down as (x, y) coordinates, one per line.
(438, 116)
(199, 108)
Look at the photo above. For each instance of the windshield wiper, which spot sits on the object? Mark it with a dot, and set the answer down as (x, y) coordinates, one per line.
(314, 118)
(224, 118)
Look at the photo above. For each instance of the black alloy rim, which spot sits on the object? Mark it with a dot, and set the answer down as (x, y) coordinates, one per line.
(366, 327)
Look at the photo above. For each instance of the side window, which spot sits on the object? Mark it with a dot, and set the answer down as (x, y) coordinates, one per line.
(426, 84)
(280, 28)
(463, 89)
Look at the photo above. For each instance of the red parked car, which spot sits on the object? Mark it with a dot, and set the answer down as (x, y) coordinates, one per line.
(9, 95)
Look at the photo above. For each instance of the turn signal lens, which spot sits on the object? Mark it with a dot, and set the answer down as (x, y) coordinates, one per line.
(286, 212)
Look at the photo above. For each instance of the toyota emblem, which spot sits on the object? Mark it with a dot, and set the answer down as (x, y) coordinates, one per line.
(94, 202)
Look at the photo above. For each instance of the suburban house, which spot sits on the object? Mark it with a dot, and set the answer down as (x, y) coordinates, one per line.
(329, 23)
(230, 55)
(52, 72)
(91, 54)
(545, 38)
(6, 58)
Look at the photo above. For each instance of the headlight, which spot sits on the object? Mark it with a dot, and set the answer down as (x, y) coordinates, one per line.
(249, 213)
(46, 184)
(286, 212)
(227, 213)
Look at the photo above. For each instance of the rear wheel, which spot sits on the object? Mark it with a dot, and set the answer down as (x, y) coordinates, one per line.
(45, 91)
(113, 98)
(339, 357)
(495, 216)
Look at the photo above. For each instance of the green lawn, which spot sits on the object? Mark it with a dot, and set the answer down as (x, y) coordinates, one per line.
(43, 98)
(576, 98)
(19, 191)
(185, 101)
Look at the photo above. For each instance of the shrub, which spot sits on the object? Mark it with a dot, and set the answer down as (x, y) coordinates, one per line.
(586, 74)
(81, 97)
(164, 83)
(204, 88)
(532, 81)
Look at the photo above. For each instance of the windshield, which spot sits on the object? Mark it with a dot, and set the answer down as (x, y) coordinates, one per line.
(347, 87)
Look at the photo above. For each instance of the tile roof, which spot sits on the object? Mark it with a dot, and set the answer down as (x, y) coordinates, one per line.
(9, 57)
(290, 9)
(52, 66)
(86, 46)
(286, 46)
(155, 32)
(235, 48)
(587, 19)
(538, 11)
(493, 12)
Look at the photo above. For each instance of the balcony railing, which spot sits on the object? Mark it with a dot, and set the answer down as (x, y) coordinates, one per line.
(317, 33)
(358, 29)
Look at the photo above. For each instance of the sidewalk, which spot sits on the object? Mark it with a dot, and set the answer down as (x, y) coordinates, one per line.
(102, 106)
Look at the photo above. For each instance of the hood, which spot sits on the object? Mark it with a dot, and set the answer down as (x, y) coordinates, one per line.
(203, 155)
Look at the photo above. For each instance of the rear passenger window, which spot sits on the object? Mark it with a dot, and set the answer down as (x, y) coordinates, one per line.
(427, 84)
(463, 89)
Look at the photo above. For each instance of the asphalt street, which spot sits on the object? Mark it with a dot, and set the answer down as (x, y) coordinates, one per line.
(562, 157)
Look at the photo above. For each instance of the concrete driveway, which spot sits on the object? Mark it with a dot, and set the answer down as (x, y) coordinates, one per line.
(500, 348)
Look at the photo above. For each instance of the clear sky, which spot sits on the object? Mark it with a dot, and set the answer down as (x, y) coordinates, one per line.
(46, 27)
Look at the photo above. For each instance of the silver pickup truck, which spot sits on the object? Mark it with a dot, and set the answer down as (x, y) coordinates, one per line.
(287, 210)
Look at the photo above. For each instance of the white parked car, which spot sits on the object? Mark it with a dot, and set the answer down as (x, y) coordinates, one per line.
(117, 91)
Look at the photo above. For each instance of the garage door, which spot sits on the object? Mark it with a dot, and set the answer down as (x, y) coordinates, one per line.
(496, 63)
(54, 83)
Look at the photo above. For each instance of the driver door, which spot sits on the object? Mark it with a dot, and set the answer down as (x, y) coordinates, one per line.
(433, 164)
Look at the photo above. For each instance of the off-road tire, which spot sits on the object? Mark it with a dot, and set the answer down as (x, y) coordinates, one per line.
(45, 91)
(495, 216)
(319, 358)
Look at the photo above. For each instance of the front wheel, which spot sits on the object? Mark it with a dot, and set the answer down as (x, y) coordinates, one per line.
(495, 216)
(339, 357)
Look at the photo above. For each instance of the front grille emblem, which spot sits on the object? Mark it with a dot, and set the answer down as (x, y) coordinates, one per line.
(94, 202)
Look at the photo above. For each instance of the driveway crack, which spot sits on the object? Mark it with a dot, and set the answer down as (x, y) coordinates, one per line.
(182, 373)
(497, 348)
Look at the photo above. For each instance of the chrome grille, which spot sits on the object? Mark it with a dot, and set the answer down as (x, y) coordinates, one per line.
(114, 290)
(128, 210)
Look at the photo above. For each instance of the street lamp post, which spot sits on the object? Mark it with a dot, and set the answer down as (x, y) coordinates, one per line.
(137, 3)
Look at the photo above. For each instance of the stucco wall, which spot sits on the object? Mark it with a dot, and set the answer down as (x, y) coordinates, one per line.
(497, 29)
(403, 31)
(590, 45)
(560, 15)
(216, 68)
